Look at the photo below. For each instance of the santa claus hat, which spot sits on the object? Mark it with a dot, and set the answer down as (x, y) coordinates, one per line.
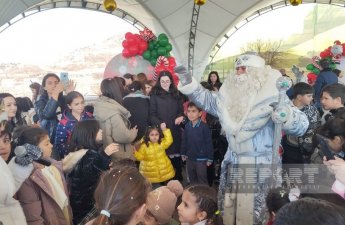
(250, 59)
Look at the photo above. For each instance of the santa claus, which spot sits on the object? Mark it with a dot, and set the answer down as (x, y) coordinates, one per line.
(243, 106)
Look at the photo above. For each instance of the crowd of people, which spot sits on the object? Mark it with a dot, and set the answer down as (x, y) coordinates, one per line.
(151, 152)
(134, 119)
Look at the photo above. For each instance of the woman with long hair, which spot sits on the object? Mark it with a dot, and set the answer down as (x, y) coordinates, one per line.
(120, 197)
(84, 164)
(35, 89)
(166, 107)
(213, 80)
(8, 104)
(51, 103)
(114, 118)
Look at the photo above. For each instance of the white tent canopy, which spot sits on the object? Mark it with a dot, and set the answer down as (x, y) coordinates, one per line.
(173, 17)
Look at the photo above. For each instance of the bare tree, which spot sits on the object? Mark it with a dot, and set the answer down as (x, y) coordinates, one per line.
(267, 49)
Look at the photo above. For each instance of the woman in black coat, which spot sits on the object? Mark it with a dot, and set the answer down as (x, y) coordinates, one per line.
(84, 165)
(166, 107)
(138, 104)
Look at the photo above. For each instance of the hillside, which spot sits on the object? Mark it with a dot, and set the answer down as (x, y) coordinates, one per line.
(85, 66)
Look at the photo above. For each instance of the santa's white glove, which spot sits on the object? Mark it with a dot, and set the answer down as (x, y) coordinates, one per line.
(280, 113)
(184, 75)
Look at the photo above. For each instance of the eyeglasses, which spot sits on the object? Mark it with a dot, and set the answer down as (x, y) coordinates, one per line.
(241, 67)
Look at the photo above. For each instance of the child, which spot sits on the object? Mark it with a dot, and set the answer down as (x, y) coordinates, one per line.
(196, 146)
(12, 176)
(161, 203)
(334, 133)
(43, 196)
(120, 197)
(310, 211)
(84, 165)
(154, 162)
(332, 99)
(297, 150)
(51, 102)
(74, 113)
(277, 198)
(93, 212)
(199, 206)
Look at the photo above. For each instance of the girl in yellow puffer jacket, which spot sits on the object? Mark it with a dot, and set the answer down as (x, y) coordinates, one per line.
(154, 162)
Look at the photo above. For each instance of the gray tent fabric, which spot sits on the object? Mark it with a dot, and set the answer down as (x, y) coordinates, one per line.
(172, 17)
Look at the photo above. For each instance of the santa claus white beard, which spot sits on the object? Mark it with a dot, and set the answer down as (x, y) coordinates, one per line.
(239, 92)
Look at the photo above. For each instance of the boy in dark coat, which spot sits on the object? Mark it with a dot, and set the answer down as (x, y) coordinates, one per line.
(197, 147)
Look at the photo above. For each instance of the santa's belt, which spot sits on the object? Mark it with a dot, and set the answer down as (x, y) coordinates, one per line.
(253, 154)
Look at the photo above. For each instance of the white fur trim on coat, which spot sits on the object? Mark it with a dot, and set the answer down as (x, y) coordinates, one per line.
(189, 88)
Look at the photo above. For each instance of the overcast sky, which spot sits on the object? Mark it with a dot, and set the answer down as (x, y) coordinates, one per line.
(44, 37)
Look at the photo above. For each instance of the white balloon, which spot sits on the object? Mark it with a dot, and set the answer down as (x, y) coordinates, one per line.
(119, 66)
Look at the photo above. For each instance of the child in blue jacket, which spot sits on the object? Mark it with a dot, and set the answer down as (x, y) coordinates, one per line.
(196, 147)
(71, 116)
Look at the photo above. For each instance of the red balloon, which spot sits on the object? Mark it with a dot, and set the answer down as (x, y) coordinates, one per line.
(323, 54)
(141, 51)
(175, 78)
(133, 50)
(131, 42)
(172, 62)
(143, 45)
(125, 44)
(129, 35)
(125, 53)
(160, 68)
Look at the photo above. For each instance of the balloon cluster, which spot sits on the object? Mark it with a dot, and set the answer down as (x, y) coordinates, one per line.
(133, 45)
(311, 78)
(156, 48)
(332, 53)
(335, 51)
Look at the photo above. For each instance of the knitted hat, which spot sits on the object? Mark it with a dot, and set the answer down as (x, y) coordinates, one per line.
(249, 59)
(161, 202)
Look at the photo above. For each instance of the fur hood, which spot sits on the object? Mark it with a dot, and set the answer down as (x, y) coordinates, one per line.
(137, 94)
(106, 107)
(71, 160)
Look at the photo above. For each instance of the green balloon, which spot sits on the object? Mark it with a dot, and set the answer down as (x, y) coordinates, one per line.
(162, 36)
(163, 42)
(315, 70)
(154, 53)
(161, 51)
(168, 47)
(147, 55)
(153, 61)
(333, 66)
(310, 67)
(167, 55)
(151, 45)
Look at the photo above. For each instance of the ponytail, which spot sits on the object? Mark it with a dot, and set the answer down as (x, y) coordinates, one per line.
(102, 220)
(215, 219)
